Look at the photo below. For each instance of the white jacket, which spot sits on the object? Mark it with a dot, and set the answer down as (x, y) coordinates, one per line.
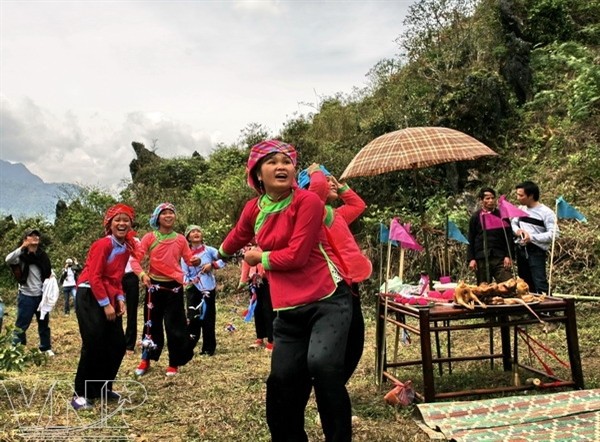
(49, 296)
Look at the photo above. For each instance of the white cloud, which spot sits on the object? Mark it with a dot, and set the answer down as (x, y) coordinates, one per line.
(82, 80)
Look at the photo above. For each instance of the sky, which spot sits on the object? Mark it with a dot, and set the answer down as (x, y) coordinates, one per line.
(80, 80)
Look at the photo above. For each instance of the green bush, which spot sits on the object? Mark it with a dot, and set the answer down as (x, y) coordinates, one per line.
(17, 357)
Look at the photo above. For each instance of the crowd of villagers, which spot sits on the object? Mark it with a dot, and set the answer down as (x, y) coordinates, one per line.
(307, 257)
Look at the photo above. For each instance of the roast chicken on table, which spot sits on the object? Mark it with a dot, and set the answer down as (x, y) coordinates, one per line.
(513, 291)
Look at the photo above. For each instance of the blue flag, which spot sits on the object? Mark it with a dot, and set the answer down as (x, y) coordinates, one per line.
(384, 235)
(455, 234)
(565, 211)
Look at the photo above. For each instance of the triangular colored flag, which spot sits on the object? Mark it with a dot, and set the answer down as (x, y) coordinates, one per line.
(384, 235)
(399, 233)
(455, 234)
(565, 211)
(489, 221)
(508, 210)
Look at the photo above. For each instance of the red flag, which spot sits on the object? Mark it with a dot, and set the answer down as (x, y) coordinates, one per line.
(399, 233)
(507, 210)
(489, 221)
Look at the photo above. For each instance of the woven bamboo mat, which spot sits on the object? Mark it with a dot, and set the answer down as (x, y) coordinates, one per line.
(566, 416)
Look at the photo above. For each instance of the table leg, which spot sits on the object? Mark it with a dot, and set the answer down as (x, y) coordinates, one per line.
(491, 346)
(438, 348)
(573, 344)
(515, 367)
(427, 360)
(505, 337)
(379, 330)
(448, 345)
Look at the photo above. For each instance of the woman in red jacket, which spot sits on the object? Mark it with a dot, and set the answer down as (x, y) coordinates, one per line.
(308, 291)
(100, 306)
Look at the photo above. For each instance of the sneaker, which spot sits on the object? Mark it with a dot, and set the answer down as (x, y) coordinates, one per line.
(80, 403)
(171, 371)
(143, 367)
(256, 344)
(113, 395)
(269, 347)
(49, 353)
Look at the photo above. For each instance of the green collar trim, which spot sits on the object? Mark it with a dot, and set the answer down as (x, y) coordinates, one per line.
(268, 207)
(329, 215)
(159, 237)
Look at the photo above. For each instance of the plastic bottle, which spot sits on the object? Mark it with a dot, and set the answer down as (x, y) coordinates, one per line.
(423, 286)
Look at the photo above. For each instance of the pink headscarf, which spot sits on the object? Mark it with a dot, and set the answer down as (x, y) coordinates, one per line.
(261, 150)
(114, 211)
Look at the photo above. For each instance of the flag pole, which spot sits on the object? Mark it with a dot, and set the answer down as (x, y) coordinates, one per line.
(446, 251)
(381, 353)
(485, 249)
(552, 249)
(401, 265)
(509, 247)
(380, 256)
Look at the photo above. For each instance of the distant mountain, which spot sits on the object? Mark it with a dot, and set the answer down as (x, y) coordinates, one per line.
(23, 194)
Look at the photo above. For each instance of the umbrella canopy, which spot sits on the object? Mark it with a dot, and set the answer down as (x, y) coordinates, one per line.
(414, 148)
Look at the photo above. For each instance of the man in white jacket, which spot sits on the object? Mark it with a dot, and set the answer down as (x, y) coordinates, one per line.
(534, 236)
(32, 267)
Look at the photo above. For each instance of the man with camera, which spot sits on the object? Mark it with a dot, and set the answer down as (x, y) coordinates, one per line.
(68, 279)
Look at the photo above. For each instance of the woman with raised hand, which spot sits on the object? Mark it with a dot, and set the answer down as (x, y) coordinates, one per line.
(308, 291)
(358, 267)
(100, 306)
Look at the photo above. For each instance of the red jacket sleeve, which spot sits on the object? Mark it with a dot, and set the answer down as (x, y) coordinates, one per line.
(353, 206)
(140, 253)
(242, 232)
(319, 185)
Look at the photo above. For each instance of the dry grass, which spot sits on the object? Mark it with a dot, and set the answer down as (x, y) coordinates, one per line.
(222, 397)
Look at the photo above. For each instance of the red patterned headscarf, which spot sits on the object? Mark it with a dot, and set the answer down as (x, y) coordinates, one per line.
(114, 211)
(261, 150)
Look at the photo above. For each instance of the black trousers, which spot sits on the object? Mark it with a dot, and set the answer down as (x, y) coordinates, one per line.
(496, 269)
(531, 264)
(102, 346)
(131, 287)
(206, 326)
(164, 303)
(263, 313)
(310, 348)
(356, 335)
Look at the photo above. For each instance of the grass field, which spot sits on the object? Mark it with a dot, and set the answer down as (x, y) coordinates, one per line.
(221, 398)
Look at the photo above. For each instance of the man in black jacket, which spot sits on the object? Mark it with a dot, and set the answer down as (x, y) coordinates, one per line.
(490, 248)
(32, 267)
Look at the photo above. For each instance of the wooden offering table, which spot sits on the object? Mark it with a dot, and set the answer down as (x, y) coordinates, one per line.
(448, 318)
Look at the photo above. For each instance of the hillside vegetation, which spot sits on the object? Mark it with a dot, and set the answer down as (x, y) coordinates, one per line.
(522, 76)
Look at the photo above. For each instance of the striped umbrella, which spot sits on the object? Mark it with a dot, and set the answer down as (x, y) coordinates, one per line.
(414, 148)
